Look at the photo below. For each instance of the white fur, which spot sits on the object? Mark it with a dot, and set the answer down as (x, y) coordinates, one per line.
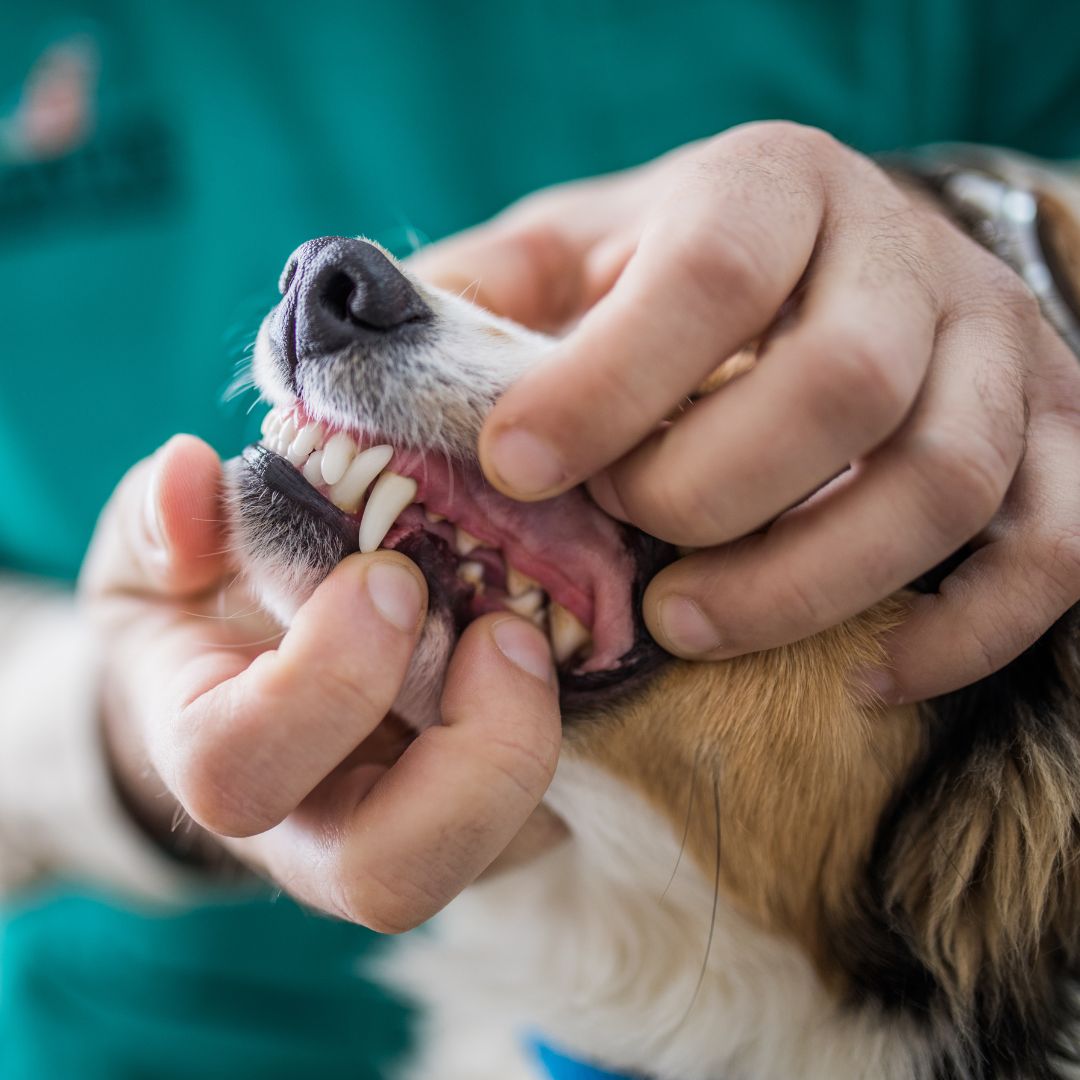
(591, 946)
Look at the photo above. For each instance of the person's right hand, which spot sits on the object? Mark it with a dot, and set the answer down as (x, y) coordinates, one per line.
(278, 741)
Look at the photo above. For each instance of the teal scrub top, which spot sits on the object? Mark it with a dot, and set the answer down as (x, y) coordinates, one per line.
(135, 266)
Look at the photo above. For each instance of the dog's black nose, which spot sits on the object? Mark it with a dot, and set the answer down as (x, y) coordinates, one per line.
(337, 291)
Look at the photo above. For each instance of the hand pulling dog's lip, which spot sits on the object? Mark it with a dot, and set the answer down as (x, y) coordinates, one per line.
(584, 541)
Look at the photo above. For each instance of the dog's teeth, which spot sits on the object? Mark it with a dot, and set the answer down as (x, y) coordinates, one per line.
(337, 456)
(568, 634)
(286, 435)
(348, 492)
(518, 583)
(433, 517)
(472, 573)
(527, 604)
(271, 424)
(465, 543)
(390, 495)
(539, 618)
(307, 439)
(313, 468)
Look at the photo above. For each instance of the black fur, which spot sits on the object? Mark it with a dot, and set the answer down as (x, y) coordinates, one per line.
(1015, 1031)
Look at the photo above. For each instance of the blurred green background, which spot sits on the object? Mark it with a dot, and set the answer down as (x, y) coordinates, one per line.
(140, 247)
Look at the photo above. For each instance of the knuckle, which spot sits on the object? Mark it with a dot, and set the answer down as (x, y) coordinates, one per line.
(722, 261)
(963, 478)
(866, 381)
(806, 607)
(216, 784)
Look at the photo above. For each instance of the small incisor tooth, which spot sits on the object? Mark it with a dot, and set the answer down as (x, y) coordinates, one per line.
(307, 439)
(285, 435)
(337, 456)
(433, 517)
(348, 492)
(527, 604)
(472, 572)
(518, 583)
(465, 543)
(390, 495)
(271, 423)
(313, 468)
(568, 635)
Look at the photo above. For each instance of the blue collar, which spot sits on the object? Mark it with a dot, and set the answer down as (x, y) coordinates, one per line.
(560, 1067)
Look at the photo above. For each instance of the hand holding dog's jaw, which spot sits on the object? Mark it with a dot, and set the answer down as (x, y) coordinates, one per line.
(890, 340)
(278, 740)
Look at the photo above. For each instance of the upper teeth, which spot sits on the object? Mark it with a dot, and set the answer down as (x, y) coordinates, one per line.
(348, 492)
(518, 583)
(465, 542)
(308, 438)
(390, 495)
(337, 456)
(348, 472)
(568, 634)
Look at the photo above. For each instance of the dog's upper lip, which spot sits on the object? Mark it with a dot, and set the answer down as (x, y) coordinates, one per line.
(614, 595)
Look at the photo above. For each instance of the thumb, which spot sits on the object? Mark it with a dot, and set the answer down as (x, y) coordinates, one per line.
(162, 532)
(529, 272)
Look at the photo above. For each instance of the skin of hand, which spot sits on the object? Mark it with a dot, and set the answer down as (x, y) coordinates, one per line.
(905, 376)
(278, 744)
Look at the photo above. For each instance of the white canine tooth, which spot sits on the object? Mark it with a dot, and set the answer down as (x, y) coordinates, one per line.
(465, 543)
(307, 439)
(518, 583)
(348, 492)
(337, 456)
(527, 604)
(568, 634)
(390, 495)
(471, 572)
(433, 517)
(313, 468)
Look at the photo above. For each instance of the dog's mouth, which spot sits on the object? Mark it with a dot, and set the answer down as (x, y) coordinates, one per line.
(562, 563)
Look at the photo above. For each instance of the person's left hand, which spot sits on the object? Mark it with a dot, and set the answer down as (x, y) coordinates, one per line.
(889, 342)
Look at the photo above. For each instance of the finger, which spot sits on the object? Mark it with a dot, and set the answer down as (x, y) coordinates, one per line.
(250, 741)
(529, 272)
(449, 806)
(1007, 594)
(824, 393)
(717, 261)
(913, 503)
(162, 530)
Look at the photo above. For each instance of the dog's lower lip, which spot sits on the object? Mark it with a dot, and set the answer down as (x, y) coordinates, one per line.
(438, 561)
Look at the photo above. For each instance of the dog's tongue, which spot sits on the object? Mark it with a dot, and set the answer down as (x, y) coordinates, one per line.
(575, 551)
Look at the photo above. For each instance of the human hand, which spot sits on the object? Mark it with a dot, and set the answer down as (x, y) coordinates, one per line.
(279, 744)
(889, 341)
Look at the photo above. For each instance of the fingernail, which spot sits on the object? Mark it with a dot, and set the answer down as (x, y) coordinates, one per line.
(525, 463)
(686, 626)
(395, 593)
(524, 646)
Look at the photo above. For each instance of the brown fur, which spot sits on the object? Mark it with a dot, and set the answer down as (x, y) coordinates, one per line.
(801, 770)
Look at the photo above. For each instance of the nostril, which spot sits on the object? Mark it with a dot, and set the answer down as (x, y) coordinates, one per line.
(335, 295)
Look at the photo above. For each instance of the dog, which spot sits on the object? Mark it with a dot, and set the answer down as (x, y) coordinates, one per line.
(767, 874)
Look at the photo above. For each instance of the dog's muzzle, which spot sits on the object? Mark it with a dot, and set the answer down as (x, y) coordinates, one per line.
(337, 292)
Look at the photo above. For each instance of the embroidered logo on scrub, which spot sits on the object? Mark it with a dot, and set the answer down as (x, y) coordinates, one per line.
(71, 149)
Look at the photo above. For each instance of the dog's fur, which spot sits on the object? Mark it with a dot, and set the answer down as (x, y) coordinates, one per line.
(766, 875)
